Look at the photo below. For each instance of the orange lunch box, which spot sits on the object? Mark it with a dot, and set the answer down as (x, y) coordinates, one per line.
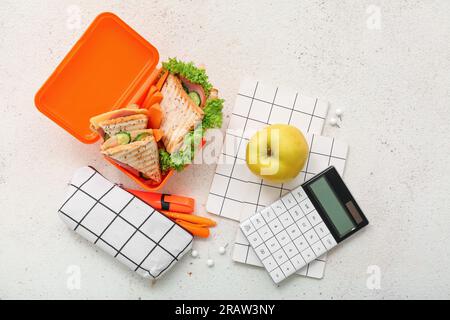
(110, 67)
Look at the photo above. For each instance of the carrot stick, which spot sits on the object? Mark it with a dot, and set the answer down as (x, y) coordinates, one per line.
(150, 93)
(194, 229)
(199, 221)
(155, 98)
(161, 81)
(154, 116)
(157, 133)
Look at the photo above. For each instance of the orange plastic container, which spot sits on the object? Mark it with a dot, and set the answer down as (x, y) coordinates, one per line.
(110, 67)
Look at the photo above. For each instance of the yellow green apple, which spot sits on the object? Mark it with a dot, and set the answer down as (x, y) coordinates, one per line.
(277, 153)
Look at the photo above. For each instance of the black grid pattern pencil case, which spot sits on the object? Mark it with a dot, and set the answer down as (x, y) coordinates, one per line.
(123, 225)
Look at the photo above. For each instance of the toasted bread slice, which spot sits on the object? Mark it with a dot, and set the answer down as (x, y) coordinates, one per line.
(142, 155)
(180, 114)
(130, 123)
(108, 120)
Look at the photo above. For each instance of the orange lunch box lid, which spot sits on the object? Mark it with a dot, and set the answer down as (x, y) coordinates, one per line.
(103, 71)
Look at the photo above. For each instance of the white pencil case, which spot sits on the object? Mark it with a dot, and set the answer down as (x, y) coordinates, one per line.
(123, 225)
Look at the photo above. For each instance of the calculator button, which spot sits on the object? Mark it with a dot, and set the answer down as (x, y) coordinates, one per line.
(257, 221)
(280, 257)
(269, 263)
(296, 213)
(273, 244)
(311, 236)
(304, 225)
(308, 255)
(306, 206)
(318, 248)
(268, 214)
(290, 250)
(313, 217)
(275, 226)
(255, 239)
(321, 230)
(265, 233)
(299, 194)
(278, 207)
(301, 243)
(283, 238)
(262, 252)
(287, 268)
(329, 241)
(277, 275)
(286, 219)
(289, 200)
(293, 231)
(298, 262)
(247, 227)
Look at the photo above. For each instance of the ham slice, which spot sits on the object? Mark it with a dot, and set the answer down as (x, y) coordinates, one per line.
(111, 115)
(195, 87)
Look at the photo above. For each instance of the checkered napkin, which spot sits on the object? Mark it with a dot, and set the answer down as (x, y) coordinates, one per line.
(123, 225)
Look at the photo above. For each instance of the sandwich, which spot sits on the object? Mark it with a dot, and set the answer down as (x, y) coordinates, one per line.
(136, 151)
(127, 119)
(128, 142)
(185, 105)
(180, 113)
(190, 105)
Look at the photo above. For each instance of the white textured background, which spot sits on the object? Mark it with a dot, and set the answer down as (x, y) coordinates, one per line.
(393, 82)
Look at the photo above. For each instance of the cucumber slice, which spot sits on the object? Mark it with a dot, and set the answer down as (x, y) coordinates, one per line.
(141, 136)
(195, 97)
(123, 137)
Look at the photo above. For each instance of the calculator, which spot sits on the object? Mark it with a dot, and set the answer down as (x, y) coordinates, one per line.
(304, 224)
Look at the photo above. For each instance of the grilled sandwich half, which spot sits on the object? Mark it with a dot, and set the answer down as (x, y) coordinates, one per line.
(126, 119)
(180, 114)
(137, 151)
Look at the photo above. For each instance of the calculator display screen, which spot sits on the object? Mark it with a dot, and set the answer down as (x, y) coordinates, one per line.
(332, 206)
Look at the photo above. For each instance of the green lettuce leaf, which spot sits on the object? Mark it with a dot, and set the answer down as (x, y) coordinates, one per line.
(213, 114)
(212, 118)
(178, 160)
(189, 71)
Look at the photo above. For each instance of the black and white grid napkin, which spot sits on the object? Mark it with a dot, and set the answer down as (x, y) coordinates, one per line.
(123, 225)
